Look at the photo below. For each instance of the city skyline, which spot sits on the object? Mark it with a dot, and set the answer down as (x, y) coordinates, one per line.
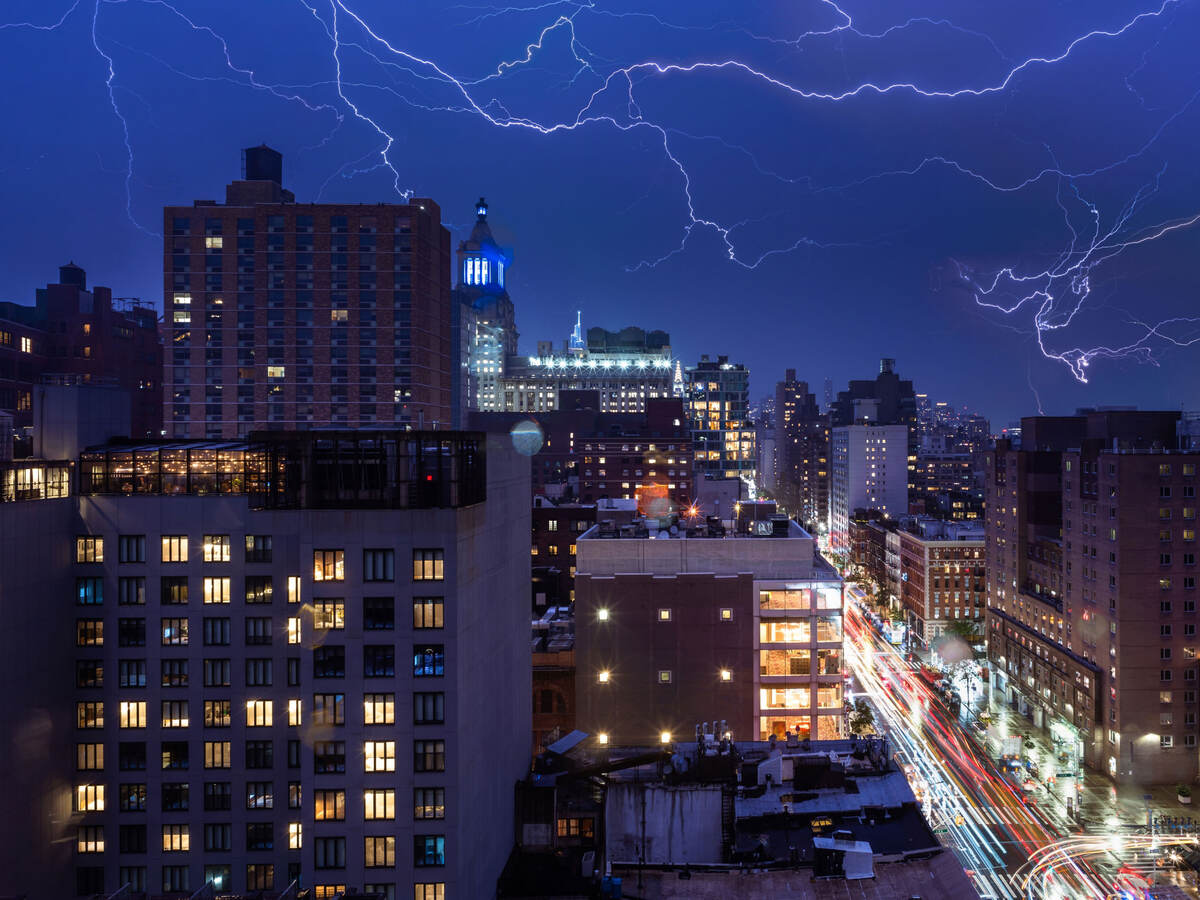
(864, 266)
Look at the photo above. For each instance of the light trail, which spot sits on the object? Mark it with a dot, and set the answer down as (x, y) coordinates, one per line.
(993, 829)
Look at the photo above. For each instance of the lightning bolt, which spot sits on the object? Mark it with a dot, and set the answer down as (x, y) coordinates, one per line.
(1054, 294)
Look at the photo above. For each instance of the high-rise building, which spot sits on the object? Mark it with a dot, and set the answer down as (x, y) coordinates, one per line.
(869, 470)
(719, 410)
(692, 625)
(288, 315)
(78, 335)
(882, 400)
(801, 451)
(486, 315)
(226, 694)
(627, 368)
(1091, 536)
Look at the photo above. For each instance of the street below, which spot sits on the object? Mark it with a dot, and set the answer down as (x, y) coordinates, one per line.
(1017, 836)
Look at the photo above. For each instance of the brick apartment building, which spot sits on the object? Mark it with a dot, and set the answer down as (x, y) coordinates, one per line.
(75, 334)
(1091, 532)
(942, 571)
(588, 454)
(292, 315)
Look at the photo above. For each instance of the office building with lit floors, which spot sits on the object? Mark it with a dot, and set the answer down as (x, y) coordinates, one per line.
(285, 657)
(869, 470)
(290, 315)
(686, 624)
(1092, 619)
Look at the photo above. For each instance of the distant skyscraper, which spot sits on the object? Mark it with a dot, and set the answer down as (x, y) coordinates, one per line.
(828, 394)
(882, 400)
(486, 315)
(287, 315)
(869, 471)
(627, 368)
(719, 409)
(801, 451)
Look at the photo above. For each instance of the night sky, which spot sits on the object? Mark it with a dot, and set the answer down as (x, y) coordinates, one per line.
(859, 227)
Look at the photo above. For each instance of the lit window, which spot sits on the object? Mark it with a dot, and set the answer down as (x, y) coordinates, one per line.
(293, 630)
(665, 737)
(216, 548)
(602, 615)
(89, 798)
(603, 677)
(26, 345)
(89, 550)
(379, 756)
(276, 371)
(379, 804)
(295, 835)
(329, 565)
(664, 615)
(726, 675)
(602, 738)
(259, 713)
(664, 676)
(726, 615)
(213, 242)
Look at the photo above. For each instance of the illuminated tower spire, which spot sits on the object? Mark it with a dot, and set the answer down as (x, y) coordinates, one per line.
(677, 382)
(575, 344)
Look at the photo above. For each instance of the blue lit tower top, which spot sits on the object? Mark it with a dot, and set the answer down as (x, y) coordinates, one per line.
(576, 345)
(481, 261)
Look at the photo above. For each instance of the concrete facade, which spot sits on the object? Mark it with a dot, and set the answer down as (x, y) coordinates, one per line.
(228, 695)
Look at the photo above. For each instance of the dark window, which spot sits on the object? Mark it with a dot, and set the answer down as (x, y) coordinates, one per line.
(379, 661)
(329, 757)
(131, 673)
(379, 614)
(131, 590)
(259, 672)
(175, 754)
(131, 756)
(131, 797)
(259, 588)
(173, 590)
(216, 632)
(216, 673)
(174, 796)
(174, 673)
(329, 709)
(429, 708)
(89, 673)
(258, 548)
(218, 836)
(329, 662)
(429, 756)
(218, 795)
(259, 836)
(131, 632)
(379, 565)
(132, 838)
(258, 631)
(260, 755)
(329, 853)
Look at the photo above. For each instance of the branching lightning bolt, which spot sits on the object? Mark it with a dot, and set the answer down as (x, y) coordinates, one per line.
(1057, 293)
